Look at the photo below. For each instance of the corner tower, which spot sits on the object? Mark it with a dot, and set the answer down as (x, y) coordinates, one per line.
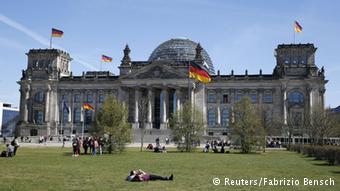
(38, 87)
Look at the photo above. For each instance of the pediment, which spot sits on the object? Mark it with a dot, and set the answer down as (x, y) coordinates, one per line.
(157, 70)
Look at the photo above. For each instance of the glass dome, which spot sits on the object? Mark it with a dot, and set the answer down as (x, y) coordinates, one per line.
(179, 49)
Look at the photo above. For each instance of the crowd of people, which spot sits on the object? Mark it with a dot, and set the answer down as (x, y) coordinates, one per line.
(274, 144)
(214, 146)
(90, 145)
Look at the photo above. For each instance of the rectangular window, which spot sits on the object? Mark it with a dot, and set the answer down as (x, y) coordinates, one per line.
(225, 98)
(211, 97)
(38, 117)
(89, 98)
(211, 117)
(253, 97)
(225, 117)
(101, 98)
(268, 97)
(238, 97)
(64, 97)
(65, 116)
(88, 117)
(76, 114)
(76, 98)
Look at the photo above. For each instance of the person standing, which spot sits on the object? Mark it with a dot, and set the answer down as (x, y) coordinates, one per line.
(95, 146)
(80, 144)
(86, 145)
(75, 146)
(15, 144)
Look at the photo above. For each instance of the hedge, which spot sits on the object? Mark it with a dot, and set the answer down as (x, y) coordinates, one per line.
(329, 153)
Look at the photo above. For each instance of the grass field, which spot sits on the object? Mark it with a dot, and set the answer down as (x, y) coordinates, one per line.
(55, 169)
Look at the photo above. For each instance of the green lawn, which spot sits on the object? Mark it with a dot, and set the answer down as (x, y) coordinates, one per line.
(55, 169)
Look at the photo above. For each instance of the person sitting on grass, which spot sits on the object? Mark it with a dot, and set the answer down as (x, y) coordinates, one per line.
(141, 176)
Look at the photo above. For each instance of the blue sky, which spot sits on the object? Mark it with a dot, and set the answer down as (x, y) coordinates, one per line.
(237, 35)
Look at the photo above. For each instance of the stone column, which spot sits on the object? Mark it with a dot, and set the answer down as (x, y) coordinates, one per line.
(164, 108)
(218, 115)
(136, 125)
(24, 102)
(47, 104)
(322, 96)
(178, 100)
(218, 103)
(150, 99)
(310, 91)
(285, 103)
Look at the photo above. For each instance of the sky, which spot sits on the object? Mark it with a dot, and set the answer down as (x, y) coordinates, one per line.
(238, 35)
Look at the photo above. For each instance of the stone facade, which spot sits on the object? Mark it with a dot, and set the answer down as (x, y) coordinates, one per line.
(47, 86)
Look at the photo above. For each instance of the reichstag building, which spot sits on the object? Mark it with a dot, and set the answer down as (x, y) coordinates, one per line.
(295, 86)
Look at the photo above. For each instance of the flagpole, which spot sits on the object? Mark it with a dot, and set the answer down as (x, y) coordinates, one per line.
(189, 93)
(82, 128)
(61, 120)
(51, 41)
(101, 64)
(294, 32)
(71, 112)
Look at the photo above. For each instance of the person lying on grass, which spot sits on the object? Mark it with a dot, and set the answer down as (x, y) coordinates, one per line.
(141, 176)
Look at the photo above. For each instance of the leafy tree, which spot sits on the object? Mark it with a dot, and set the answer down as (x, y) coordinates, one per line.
(187, 127)
(111, 120)
(247, 125)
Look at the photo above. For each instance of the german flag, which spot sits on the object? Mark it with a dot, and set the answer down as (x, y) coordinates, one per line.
(106, 58)
(57, 33)
(88, 107)
(195, 71)
(298, 27)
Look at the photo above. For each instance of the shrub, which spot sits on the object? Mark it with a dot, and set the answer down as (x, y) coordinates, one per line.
(329, 153)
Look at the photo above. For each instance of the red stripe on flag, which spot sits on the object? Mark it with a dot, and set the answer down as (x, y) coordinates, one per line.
(199, 71)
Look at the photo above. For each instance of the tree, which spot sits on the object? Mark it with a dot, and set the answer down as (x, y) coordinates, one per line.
(320, 124)
(247, 125)
(111, 120)
(187, 127)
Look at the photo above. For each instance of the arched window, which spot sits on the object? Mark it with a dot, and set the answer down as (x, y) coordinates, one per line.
(211, 117)
(39, 97)
(225, 117)
(295, 97)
